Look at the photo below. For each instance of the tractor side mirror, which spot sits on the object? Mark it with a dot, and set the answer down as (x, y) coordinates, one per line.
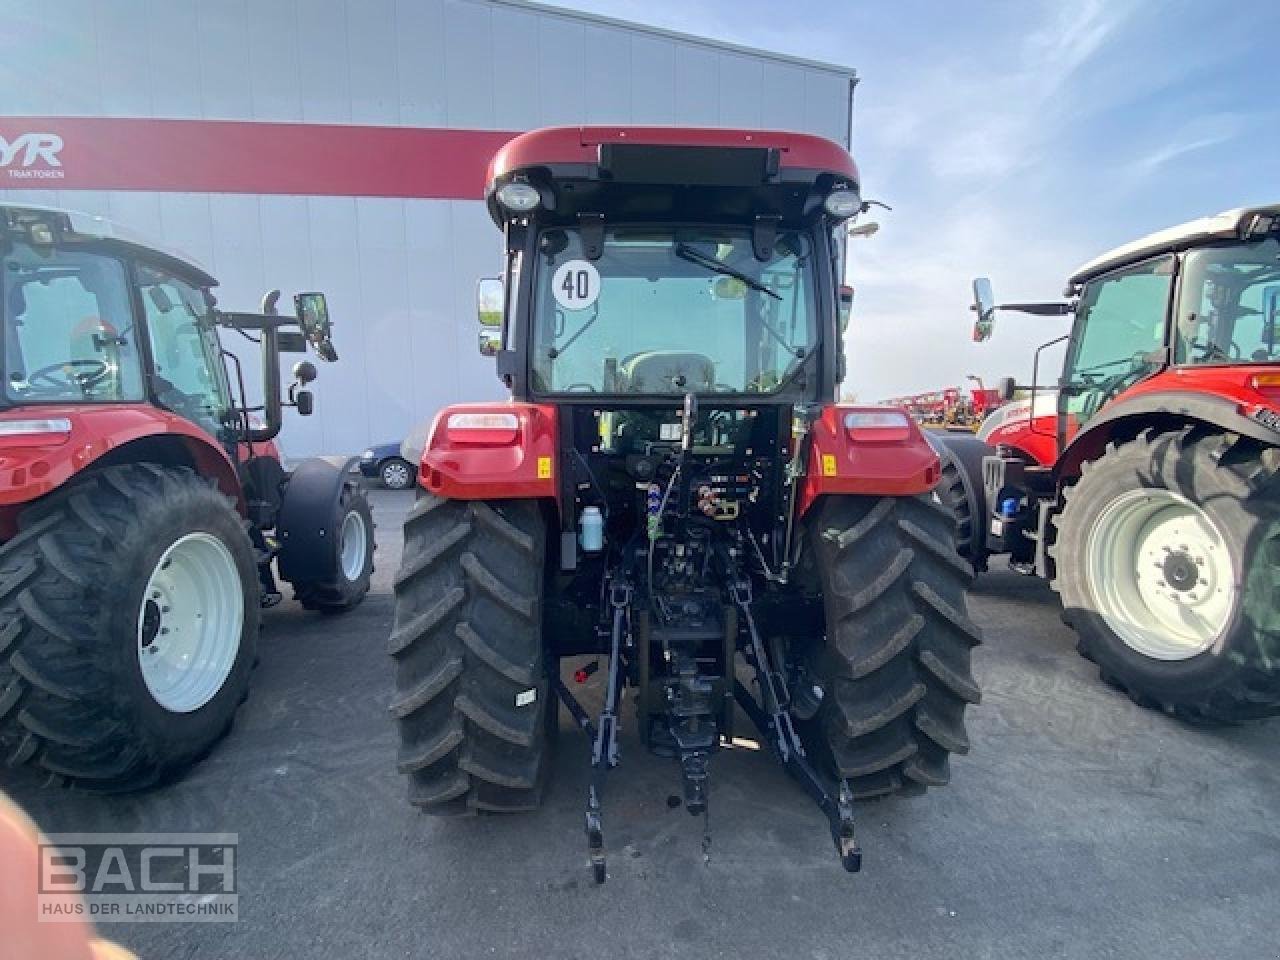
(305, 402)
(1006, 387)
(313, 317)
(984, 305)
(489, 297)
(846, 306)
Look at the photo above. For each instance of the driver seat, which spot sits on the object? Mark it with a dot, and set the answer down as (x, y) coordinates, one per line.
(668, 371)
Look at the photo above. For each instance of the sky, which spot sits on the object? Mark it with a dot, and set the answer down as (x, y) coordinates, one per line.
(1014, 140)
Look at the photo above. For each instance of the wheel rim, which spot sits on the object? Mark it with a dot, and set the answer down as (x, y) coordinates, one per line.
(395, 475)
(190, 623)
(1161, 574)
(355, 543)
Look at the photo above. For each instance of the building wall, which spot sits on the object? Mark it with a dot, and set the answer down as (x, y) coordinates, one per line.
(399, 272)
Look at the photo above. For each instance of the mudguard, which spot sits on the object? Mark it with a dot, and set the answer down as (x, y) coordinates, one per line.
(1128, 415)
(890, 460)
(307, 525)
(491, 451)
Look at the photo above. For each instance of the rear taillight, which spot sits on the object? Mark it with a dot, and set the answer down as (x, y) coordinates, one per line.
(877, 426)
(1267, 384)
(34, 432)
(493, 429)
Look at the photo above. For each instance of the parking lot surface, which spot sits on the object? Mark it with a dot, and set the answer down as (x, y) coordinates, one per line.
(1079, 826)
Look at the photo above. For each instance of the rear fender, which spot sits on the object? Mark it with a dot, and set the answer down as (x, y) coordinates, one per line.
(308, 523)
(895, 462)
(1170, 410)
(492, 451)
(34, 465)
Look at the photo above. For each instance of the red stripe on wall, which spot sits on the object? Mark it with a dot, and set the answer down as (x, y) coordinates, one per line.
(222, 156)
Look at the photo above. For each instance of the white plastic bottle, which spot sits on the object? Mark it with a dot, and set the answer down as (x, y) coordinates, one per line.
(592, 536)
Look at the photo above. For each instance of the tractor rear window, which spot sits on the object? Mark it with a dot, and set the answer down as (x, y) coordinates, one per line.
(671, 310)
(1230, 304)
(68, 329)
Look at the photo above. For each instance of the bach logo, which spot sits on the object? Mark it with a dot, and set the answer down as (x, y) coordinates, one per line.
(139, 877)
(32, 156)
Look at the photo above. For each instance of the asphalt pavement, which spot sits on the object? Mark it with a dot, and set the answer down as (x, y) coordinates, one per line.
(1079, 826)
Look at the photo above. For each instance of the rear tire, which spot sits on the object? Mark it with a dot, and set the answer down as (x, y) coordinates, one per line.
(77, 620)
(350, 580)
(1199, 638)
(895, 665)
(473, 702)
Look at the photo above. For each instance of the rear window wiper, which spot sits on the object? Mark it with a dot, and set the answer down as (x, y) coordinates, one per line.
(693, 255)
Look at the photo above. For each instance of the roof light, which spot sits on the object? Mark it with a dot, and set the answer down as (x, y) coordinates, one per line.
(519, 197)
(842, 203)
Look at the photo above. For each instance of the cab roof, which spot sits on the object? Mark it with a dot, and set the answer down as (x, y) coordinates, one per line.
(78, 224)
(556, 146)
(1237, 224)
(672, 172)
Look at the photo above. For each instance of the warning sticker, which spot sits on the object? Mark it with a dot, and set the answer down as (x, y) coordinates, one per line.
(828, 464)
(576, 284)
(544, 468)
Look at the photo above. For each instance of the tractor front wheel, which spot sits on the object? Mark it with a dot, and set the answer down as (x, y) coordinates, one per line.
(895, 665)
(1168, 563)
(129, 611)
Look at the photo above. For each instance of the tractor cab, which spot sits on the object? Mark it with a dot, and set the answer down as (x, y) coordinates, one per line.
(1194, 307)
(92, 318)
(645, 264)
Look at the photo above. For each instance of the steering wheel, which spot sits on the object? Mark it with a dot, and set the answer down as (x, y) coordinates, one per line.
(95, 372)
(580, 388)
(1212, 350)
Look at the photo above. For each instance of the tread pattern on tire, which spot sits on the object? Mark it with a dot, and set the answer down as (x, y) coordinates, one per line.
(1250, 688)
(896, 661)
(467, 646)
(61, 710)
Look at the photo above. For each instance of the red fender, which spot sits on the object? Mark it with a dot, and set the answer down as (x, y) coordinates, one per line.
(491, 451)
(868, 451)
(32, 464)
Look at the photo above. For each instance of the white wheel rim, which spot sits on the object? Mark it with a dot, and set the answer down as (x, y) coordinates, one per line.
(355, 543)
(190, 623)
(1161, 574)
(395, 475)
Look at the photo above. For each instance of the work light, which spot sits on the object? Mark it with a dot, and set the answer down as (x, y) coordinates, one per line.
(519, 197)
(842, 203)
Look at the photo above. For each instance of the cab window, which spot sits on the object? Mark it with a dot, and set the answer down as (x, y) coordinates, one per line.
(1121, 335)
(68, 329)
(189, 377)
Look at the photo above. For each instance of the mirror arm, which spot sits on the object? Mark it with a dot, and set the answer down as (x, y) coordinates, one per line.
(1054, 309)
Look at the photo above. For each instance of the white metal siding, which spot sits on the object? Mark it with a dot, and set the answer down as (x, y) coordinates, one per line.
(399, 274)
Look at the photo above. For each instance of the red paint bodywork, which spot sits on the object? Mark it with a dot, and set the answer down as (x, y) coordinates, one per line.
(1037, 439)
(461, 465)
(895, 468)
(225, 156)
(580, 145)
(33, 466)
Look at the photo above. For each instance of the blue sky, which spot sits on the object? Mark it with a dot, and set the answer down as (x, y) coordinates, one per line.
(1015, 140)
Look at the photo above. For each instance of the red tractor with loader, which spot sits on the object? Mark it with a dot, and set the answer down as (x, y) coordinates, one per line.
(673, 490)
(1143, 483)
(143, 502)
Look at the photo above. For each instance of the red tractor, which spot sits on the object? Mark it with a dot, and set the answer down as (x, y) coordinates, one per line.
(142, 502)
(672, 488)
(1144, 483)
